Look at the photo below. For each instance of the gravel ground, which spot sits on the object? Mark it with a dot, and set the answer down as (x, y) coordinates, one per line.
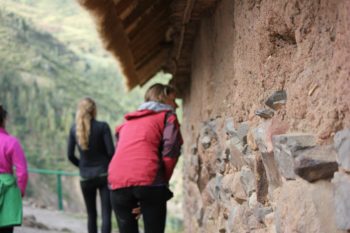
(37, 220)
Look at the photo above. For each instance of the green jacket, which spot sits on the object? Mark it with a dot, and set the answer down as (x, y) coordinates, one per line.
(10, 201)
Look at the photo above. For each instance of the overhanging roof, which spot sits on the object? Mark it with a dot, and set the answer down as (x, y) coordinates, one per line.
(147, 36)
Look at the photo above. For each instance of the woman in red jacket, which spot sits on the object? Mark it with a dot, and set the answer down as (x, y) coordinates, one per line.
(147, 149)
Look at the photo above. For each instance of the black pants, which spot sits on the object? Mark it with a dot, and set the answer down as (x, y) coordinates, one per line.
(152, 201)
(6, 229)
(89, 189)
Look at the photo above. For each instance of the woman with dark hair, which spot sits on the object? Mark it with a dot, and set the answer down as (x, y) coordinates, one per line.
(147, 149)
(94, 141)
(12, 188)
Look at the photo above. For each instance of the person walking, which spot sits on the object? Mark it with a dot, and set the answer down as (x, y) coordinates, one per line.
(94, 141)
(12, 188)
(147, 149)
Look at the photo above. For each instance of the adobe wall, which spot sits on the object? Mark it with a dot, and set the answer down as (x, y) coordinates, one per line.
(287, 168)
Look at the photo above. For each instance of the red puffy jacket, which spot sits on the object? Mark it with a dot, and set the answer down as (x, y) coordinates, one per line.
(147, 149)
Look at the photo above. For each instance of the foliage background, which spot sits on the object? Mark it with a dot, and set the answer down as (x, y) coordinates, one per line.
(50, 57)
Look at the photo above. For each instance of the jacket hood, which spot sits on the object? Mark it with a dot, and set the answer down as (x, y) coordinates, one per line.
(149, 108)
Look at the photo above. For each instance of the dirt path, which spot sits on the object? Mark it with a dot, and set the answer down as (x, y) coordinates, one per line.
(38, 220)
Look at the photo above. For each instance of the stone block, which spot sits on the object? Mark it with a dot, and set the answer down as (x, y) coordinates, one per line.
(205, 141)
(261, 181)
(261, 212)
(194, 149)
(209, 195)
(231, 224)
(193, 168)
(260, 137)
(302, 207)
(316, 163)
(237, 219)
(253, 202)
(285, 146)
(342, 145)
(196, 204)
(277, 99)
(222, 160)
(235, 157)
(218, 186)
(242, 132)
(269, 222)
(251, 141)
(208, 134)
(254, 225)
(248, 180)
(226, 190)
(265, 131)
(237, 189)
(249, 160)
(235, 142)
(265, 113)
(341, 183)
(272, 173)
(210, 219)
(203, 177)
(230, 129)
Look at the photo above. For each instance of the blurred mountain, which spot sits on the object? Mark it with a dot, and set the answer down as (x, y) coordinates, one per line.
(47, 63)
(50, 57)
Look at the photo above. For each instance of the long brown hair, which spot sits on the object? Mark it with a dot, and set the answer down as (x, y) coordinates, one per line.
(85, 113)
(3, 115)
(159, 92)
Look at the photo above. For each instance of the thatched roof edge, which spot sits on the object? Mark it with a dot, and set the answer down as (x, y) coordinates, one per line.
(113, 36)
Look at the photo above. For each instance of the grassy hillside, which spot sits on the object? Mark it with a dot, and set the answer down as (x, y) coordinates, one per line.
(64, 19)
(41, 81)
(50, 57)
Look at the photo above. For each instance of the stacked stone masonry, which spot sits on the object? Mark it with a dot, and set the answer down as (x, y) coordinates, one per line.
(267, 119)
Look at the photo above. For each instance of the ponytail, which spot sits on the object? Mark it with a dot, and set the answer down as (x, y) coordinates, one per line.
(85, 113)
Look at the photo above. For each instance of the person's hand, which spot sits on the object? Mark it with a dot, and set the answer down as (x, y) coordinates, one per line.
(137, 212)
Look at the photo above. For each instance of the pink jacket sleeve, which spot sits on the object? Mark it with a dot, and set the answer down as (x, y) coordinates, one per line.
(20, 162)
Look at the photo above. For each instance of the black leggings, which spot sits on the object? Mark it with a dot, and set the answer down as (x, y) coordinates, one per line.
(89, 189)
(152, 201)
(6, 229)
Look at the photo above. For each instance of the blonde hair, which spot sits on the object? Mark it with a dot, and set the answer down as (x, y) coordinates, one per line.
(85, 113)
(159, 92)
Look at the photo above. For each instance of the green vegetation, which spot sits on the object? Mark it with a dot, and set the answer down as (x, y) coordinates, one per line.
(41, 81)
(50, 57)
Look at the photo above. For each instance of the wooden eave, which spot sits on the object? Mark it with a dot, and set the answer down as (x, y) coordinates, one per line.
(147, 36)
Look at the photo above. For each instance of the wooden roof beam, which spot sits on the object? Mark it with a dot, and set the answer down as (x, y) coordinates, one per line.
(140, 8)
(152, 39)
(185, 20)
(122, 5)
(147, 71)
(157, 27)
(144, 51)
(146, 17)
(150, 55)
(158, 11)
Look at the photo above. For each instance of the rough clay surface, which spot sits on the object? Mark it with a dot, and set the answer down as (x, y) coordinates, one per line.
(249, 49)
(244, 52)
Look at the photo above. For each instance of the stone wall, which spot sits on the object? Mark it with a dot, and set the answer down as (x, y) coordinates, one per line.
(266, 119)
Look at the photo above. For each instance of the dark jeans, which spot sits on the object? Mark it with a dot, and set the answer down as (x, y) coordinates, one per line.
(89, 189)
(6, 229)
(152, 201)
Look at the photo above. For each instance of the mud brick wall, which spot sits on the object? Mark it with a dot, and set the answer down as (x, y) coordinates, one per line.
(266, 118)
